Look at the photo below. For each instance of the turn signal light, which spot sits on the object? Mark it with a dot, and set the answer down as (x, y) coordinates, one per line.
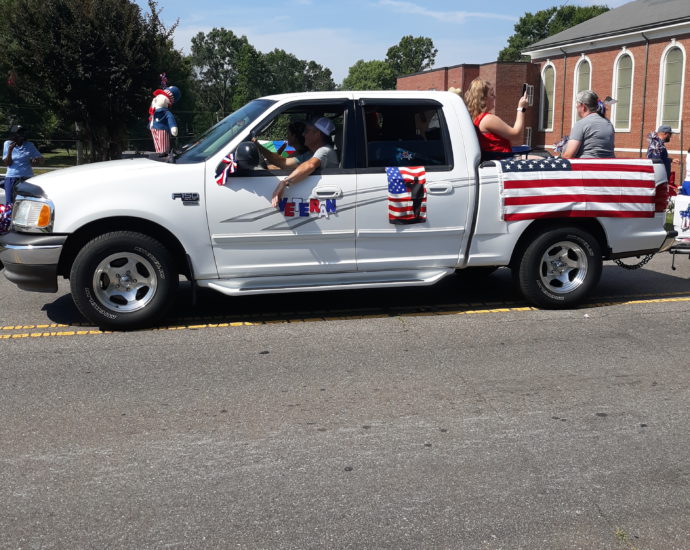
(43, 217)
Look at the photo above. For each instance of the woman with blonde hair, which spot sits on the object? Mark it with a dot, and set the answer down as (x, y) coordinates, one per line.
(495, 136)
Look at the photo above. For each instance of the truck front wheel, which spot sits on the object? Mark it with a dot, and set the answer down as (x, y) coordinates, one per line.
(123, 280)
(559, 268)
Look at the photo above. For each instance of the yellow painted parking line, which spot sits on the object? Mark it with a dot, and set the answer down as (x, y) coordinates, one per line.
(472, 309)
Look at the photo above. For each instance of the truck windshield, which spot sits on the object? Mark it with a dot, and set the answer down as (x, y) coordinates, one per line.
(219, 135)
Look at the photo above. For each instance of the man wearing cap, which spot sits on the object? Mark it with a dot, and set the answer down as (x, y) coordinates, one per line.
(19, 156)
(657, 147)
(317, 138)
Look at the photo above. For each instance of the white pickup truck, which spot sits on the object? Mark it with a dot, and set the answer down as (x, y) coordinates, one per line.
(124, 231)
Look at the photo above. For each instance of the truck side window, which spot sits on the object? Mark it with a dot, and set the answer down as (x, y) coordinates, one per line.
(404, 135)
(274, 134)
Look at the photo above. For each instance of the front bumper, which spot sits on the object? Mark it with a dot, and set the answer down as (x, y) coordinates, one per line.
(31, 261)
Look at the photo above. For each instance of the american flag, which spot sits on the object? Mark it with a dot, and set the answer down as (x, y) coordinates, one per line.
(227, 166)
(406, 194)
(578, 188)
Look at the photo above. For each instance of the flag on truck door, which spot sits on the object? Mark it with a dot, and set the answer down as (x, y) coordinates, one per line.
(406, 194)
(555, 187)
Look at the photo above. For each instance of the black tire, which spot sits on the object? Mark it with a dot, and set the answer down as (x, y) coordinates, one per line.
(123, 280)
(559, 268)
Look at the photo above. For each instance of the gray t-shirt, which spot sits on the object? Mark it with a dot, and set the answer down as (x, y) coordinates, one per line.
(596, 135)
(326, 155)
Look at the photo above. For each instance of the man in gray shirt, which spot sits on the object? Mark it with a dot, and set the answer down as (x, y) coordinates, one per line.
(317, 139)
(592, 136)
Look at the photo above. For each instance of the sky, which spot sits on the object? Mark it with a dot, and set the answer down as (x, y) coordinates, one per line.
(338, 34)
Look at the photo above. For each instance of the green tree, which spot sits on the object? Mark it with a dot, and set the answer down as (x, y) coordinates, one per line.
(532, 28)
(370, 75)
(229, 72)
(317, 78)
(287, 73)
(89, 61)
(215, 58)
(411, 55)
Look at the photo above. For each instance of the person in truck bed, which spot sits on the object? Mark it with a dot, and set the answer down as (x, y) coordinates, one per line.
(495, 135)
(592, 136)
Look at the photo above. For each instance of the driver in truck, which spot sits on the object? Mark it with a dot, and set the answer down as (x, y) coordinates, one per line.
(317, 138)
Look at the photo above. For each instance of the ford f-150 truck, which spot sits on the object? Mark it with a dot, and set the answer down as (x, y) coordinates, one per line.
(409, 203)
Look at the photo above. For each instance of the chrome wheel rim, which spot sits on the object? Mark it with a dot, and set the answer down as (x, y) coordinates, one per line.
(563, 267)
(125, 282)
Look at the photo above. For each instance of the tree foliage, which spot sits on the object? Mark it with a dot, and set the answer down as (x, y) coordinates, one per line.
(411, 55)
(89, 61)
(229, 72)
(533, 27)
(370, 75)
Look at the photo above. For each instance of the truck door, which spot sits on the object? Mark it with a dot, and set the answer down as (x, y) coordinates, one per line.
(428, 230)
(313, 231)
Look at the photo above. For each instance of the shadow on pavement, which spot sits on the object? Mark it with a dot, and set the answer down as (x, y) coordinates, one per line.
(455, 293)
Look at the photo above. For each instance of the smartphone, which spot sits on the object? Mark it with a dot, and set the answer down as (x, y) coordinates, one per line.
(524, 89)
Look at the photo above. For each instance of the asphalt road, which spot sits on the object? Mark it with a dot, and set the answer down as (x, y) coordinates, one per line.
(442, 417)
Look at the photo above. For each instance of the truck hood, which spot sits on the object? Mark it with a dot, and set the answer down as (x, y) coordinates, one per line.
(109, 172)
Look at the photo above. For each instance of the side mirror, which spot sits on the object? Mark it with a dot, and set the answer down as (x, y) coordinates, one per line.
(247, 156)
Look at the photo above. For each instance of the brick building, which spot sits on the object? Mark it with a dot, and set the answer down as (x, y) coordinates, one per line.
(507, 79)
(636, 53)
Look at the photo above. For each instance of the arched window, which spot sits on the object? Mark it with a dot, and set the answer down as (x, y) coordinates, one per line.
(548, 89)
(583, 81)
(623, 78)
(671, 84)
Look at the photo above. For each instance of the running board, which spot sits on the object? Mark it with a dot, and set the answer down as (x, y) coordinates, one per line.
(325, 281)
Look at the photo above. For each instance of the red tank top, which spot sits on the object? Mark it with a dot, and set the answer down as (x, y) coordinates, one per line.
(489, 141)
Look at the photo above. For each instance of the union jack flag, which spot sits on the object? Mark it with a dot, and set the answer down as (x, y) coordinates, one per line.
(555, 188)
(406, 194)
(227, 166)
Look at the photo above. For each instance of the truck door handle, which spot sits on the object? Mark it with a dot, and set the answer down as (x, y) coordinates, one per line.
(328, 192)
(439, 188)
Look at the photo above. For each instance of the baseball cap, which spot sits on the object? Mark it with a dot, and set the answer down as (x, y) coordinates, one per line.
(664, 128)
(324, 125)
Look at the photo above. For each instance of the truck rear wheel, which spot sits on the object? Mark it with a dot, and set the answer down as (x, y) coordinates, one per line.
(559, 268)
(123, 280)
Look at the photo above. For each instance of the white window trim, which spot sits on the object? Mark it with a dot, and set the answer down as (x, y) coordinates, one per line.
(543, 94)
(662, 77)
(614, 87)
(583, 58)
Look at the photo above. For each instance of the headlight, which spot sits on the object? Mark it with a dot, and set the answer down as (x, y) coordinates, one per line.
(33, 215)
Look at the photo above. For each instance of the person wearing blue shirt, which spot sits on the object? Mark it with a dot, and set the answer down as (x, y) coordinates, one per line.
(19, 156)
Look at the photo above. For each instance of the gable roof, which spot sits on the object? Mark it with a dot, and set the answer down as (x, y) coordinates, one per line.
(636, 16)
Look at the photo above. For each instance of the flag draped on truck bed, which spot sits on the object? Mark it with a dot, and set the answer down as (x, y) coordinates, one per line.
(555, 188)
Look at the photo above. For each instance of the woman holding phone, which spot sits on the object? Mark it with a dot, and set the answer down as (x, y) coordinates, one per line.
(495, 136)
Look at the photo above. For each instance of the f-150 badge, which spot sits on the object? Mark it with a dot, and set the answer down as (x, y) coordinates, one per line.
(186, 197)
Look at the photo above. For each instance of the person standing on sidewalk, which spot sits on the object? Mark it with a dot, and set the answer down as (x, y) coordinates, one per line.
(19, 156)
